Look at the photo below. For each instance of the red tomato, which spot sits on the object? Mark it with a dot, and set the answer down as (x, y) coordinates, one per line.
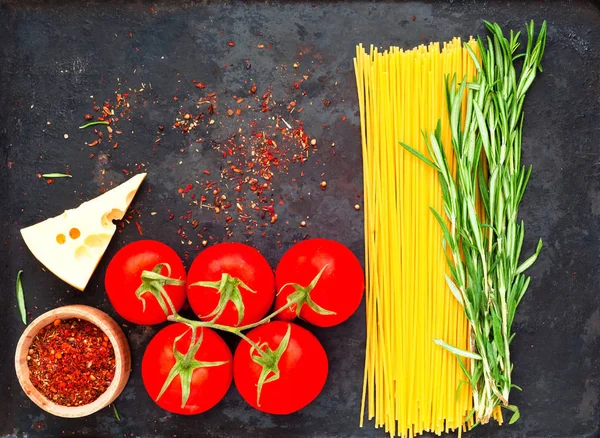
(123, 278)
(226, 265)
(339, 289)
(302, 369)
(208, 384)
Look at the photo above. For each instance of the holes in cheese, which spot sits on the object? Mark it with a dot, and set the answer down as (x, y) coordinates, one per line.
(83, 253)
(71, 244)
(129, 198)
(114, 214)
(97, 240)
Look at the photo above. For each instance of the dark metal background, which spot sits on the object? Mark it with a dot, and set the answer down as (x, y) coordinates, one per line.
(54, 56)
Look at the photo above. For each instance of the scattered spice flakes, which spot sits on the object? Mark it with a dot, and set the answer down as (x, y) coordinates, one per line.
(231, 43)
(259, 147)
(111, 111)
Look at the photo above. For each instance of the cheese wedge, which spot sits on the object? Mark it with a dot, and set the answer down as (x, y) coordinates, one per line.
(72, 244)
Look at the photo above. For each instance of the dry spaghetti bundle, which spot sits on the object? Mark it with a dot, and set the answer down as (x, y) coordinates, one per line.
(411, 384)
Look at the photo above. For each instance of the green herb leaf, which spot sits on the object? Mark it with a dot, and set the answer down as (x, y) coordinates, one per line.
(419, 155)
(516, 414)
(531, 260)
(56, 175)
(457, 351)
(117, 416)
(21, 298)
(87, 125)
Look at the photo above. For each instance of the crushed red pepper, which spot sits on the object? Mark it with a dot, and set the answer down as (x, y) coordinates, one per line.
(258, 140)
(71, 362)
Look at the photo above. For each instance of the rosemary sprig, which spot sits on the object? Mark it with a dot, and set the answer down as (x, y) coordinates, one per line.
(483, 253)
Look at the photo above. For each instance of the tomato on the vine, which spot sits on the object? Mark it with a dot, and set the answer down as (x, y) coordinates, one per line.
(232, 282)
(139, 276)
(174, 361)
(287, 375)
(326, 276)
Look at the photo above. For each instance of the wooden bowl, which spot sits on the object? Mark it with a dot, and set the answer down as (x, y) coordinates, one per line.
(104, 323)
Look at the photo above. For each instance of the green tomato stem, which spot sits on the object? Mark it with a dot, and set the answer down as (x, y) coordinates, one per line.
(175, 317)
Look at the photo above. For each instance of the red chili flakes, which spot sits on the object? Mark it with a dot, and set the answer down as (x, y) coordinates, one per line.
(343, 118)
(71, 362)
(231, 43)
(139, 228)
(49, 181)
(200, 85)
(188, 188)
(326, 102)
(255, 152)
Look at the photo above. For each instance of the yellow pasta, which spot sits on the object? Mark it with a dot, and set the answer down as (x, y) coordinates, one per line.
(410, 384)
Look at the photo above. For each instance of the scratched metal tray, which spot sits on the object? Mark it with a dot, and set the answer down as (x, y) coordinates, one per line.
(54, 56)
